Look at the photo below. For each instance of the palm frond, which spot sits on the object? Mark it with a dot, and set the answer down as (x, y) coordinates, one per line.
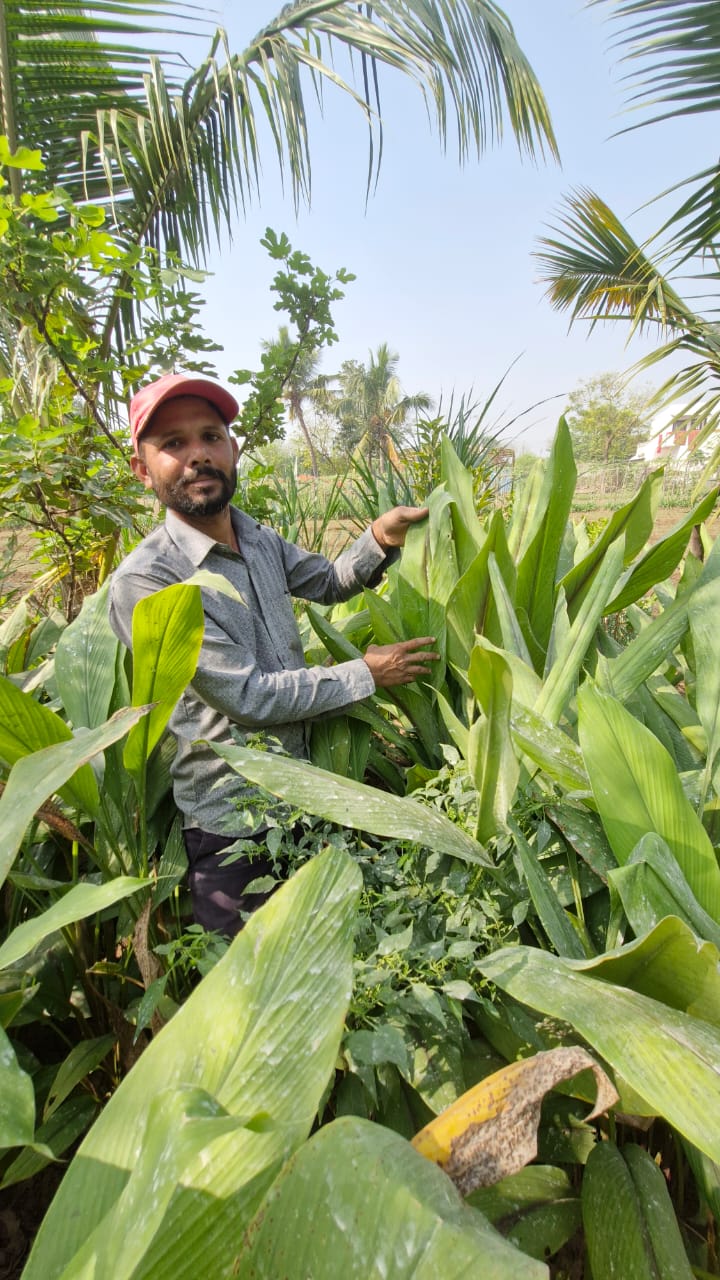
(674, 52)
(598, 272)
(180, 165)
(174, 158)
(695, 224)
(64, 62)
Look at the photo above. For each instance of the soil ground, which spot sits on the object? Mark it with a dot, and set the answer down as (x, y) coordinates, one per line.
(666, 519)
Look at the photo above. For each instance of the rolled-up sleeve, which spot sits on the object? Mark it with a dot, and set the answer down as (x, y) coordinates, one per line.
(313, 577)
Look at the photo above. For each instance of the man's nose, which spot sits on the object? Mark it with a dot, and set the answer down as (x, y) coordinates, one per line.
(197, 454)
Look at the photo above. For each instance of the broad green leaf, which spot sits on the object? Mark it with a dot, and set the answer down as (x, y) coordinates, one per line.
(13, 628)
(661, 1227)
(419, 1226)
(493, 764)
(526, 682)
(637, 791)
(612, 1217)
(633, 523)
(628, 1190)
(651, 885)
(437, 1072)
(372, 1048)
(85, 662)
(513, 637)
(560, 682)
(426, 576)
(707, 1176)
(662, 558)
(536, 1209)
(37, 776)
(559, 632)
(468, 532)
(26, 726)
(21, 157)
(336, 643)
(464, 610)
(214, 582)
(244, 1038)
(17, 1099)
(352, 804)
(649, 651)
(340, 745)
(384, 618)
(670, 1059)
(455, 728)
(81, 1060)
(529, 507)
(550, 748)
(538, 566)
(703, 614)
(584, 833)
(167, 630)
(671, 965)
(52, 1139)
(80, 901)
(413, 700)
(656, 642)
(551, 913)
(467, 605)
(181, 1122)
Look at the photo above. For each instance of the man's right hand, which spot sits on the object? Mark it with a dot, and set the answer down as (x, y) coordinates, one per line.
(400, 663)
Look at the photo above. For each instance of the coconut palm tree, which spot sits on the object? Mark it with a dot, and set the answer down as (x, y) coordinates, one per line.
(176, 155)
(371, 406)
(173, 156)
(594, 267)
(303, 383)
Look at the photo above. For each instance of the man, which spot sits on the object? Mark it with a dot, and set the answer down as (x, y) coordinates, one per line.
(251, 673)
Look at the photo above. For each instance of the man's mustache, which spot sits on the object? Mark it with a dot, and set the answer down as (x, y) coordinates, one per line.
(204, 473)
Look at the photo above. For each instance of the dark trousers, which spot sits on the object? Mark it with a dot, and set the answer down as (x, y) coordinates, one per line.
(218, 892)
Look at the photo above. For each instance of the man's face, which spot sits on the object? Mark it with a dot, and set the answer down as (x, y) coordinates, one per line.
(188, 457)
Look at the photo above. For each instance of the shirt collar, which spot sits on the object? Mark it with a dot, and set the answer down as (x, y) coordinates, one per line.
(196, 545)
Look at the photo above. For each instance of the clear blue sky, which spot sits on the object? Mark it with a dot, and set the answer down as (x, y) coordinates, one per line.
(443, 254)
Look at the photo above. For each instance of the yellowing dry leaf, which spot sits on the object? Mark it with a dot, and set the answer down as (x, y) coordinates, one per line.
(491, 1131)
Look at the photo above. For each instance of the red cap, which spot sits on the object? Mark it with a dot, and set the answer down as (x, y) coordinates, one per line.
(170, 385)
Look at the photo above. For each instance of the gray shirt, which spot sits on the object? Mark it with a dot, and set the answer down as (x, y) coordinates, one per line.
(251, 672)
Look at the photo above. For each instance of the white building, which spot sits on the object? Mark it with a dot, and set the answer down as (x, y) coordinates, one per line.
(674, 430)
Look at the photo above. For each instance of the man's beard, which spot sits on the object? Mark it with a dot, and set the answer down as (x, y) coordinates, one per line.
(178, 497)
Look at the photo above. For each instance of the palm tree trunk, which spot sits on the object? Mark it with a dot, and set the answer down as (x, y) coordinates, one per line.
(7, 105)
(308, 440)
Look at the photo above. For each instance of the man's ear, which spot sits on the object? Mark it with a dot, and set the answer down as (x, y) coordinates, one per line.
(140, 470)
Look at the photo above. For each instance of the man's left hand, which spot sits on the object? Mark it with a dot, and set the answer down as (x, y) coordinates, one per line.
(389, 529)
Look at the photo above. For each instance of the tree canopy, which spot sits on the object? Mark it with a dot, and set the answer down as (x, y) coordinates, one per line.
(178, 154)
(371, 406)
(119, 168)
(606, 420)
